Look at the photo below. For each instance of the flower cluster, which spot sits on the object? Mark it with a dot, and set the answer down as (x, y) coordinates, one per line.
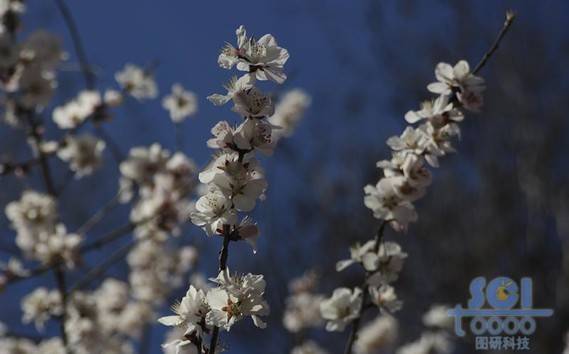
(234, 177)
(234, 298)
(156, 270)
(101, 321)
(27, 69)
(382, 263)
(39, 235)
(302, 309)
(164, 184)
(406, 175)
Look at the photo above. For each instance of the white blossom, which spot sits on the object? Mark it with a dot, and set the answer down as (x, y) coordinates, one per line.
(439, 112)
(43, 48)
(242, 182)
(58, 246)
(213, 210)
(438, 317)
(36, 87)
(248, 101)
(377, 335)
(388, 201)
(308, 347)
(288, 112)
(32, 214)
(429, 343)
(18, 345)
(83, 153)
(76, 111)
(250, 134)
(174, 345)
(458, 79)
(137, 82)
(237, 296)
(341, 308)
(386, 264)
(385, 298)
(302, 311)
(180, 103)
(189, 313)
(155, 270)
(262, 57)
(40, 305)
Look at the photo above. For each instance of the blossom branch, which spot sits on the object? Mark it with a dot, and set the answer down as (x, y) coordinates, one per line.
(356, 323)
(404, 181)
(48, 181)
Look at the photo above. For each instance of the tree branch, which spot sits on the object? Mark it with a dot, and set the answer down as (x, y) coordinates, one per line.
(510, 16)
(88, 74)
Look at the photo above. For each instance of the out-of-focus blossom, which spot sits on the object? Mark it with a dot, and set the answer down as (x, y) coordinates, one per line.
(76, 111)
(83, 153)
(180, 103)
(40, 305)
(308, 347)
(377, 335)
(437, 317)
(137, 82)
(288, 112)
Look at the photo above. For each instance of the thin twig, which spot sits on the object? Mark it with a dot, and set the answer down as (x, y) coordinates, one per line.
(99, 215)
(110, 237)
(100, 269)
(88, 74)
(223, 255)
(510, 16)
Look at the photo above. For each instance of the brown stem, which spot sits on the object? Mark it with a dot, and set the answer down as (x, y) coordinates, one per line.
(510, 16)
(223, 254)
